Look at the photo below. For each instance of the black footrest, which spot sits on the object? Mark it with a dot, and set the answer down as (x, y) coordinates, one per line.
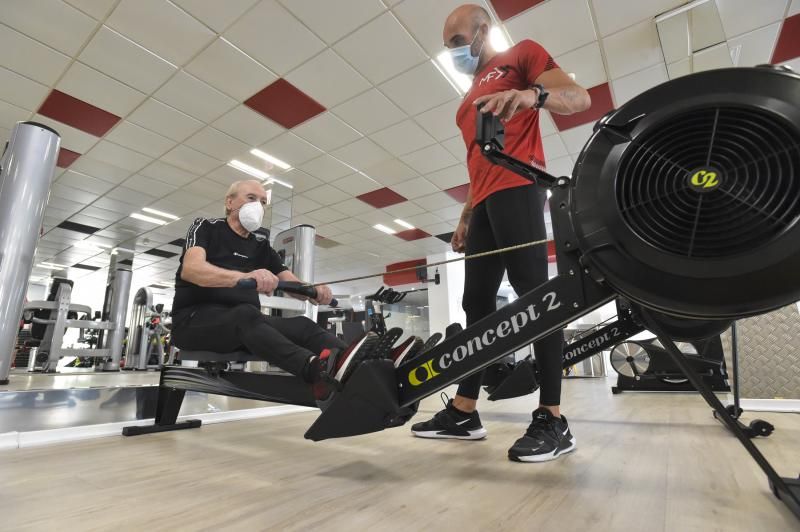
(520, 382)
(367, 403)
(789, 496)
(138, 430)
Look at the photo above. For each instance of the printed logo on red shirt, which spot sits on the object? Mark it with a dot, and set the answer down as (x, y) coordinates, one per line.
(498, 72)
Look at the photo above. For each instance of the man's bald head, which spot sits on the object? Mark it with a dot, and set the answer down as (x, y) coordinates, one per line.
(463, 23)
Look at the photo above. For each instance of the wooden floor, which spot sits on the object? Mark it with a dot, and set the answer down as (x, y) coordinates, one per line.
(645, 462)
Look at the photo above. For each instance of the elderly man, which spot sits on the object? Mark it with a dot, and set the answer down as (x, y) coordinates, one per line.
(210, 313)
(503, 209)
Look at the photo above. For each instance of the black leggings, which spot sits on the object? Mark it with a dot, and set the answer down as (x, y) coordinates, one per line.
(506, 218)
(286, 342)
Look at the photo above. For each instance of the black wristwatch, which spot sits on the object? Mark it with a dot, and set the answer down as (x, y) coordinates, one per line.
(543, 94)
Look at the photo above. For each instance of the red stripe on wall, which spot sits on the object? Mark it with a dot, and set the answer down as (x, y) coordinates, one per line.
(401, 278)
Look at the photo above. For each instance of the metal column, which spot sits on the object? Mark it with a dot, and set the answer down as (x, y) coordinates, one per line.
(296, 247)
(26, 170)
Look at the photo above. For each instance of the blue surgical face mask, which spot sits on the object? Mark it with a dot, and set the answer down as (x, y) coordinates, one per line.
(463, 60)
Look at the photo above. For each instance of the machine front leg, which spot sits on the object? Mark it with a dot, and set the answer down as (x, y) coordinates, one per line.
(167, 409)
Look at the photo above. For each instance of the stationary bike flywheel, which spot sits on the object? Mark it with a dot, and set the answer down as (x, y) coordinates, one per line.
(686, 200)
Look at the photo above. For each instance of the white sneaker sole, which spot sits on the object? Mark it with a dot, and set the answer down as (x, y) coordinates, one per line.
(477, 434)
(340, 373)
(536, 458)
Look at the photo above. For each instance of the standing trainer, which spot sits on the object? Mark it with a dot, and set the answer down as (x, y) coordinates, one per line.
(504, 209)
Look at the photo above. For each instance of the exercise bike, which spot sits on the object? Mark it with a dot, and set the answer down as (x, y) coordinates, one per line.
(665, 213)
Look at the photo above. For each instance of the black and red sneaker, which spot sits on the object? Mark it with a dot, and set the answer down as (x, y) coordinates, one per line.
(383, 348)
(407, 350)
(345, 363)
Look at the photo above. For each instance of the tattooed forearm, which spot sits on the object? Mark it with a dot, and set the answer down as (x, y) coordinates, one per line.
(568, 100)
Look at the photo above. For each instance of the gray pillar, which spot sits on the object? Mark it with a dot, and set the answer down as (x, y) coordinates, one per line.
(27, 165)
(297, 247)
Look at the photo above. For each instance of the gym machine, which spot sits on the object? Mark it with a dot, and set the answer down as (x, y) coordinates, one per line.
(146, 333)
(684, 207)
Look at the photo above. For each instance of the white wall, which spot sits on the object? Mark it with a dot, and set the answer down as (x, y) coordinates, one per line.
(444, 299)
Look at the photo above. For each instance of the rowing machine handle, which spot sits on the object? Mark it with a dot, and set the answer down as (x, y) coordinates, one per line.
(302, 289)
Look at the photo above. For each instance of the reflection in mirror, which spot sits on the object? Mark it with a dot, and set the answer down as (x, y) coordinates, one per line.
(693, 40)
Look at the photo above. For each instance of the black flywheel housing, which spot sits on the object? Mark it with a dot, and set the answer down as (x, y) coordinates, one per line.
(687, 199)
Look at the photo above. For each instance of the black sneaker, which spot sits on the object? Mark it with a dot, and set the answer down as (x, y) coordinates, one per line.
(451, 424)
(547, 438)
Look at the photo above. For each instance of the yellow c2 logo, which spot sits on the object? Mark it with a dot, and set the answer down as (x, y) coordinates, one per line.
(416, 379)
(704, 179)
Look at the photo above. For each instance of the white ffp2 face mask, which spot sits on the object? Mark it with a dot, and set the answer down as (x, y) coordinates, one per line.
(251, 215)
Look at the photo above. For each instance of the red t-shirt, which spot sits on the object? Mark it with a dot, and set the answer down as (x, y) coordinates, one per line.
(516, 68)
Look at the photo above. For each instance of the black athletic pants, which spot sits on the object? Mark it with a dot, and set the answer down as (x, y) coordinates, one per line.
(506, 218)
(286, 342)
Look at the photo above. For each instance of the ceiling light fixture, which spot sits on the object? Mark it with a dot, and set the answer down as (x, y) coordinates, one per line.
(383, 228)
(270, 159)
(405, 224)
(52, 266)
(498, 39)
(444, 64)
(161, 213)
(150, 219)
(247, 169)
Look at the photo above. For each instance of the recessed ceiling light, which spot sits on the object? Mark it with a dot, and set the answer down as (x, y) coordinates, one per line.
(460, 82)
(498, 39)
(52, 266)
(150, 219)
(387, 230)
(270, 159)
(161, 213)
(247, 169)
(405, 224)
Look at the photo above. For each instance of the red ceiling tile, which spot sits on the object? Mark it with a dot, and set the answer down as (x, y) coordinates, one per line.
(78, 114)
(788, 46)
(285, 104)
(66, 157)
(601, 104)
(412, 234)
(383, 197)
(506, 9)
(458, 193)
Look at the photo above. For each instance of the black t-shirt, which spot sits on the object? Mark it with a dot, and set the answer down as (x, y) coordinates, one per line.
(225, 249)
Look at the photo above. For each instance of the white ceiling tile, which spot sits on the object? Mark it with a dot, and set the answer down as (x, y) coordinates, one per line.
(115, 205)
(369, 112)
(11, 114)
(208, 189)
(165, 120)
(71, 138)
(546, 126)
(99, 169)
(794, 64)
(587, 65)
(140, 139)
(326, 195)
(403, 138)
(94, 8)
(425, 20)
(450, 214)
(381, 49)
(300, 180)
(435, 201)
(116, 56)
(428, 218)
(30, 58)
(248, 126)
(356, 184)
(361, 154)
(440, 121)
(546, 22)
(349, 224)
(60, 190)
(333, 20)
(148, 185)
(86, 183)
(375, 216)
(634, 84)
(217, 144)
(228, 69)
(347, 238)
(739, 16)
(272, 36)
(177, 209)
(214, 14)
(681, 68)
(91, 222)
(188, 199)
(562, 166)
(614, 15)
(21, 91)
(326, 132)
(55, 24)
(327, 214)
(712, 58)
(114, 154)
(291, 149)
(155, 24)
(553, 147)
(89, 85)
(403, 210)
(756, 46)
(191, 160)
(430, 159)
(130, 196)
(439, 228)
(326, 168)
(404, 90)
(794, 8)
(168, 174)
(390, 172)
(575, 138)
(633, 49)
(415, 188)
(352, 207)
(447, 178)
(196, 98)
(302, 204)
(328, 79)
